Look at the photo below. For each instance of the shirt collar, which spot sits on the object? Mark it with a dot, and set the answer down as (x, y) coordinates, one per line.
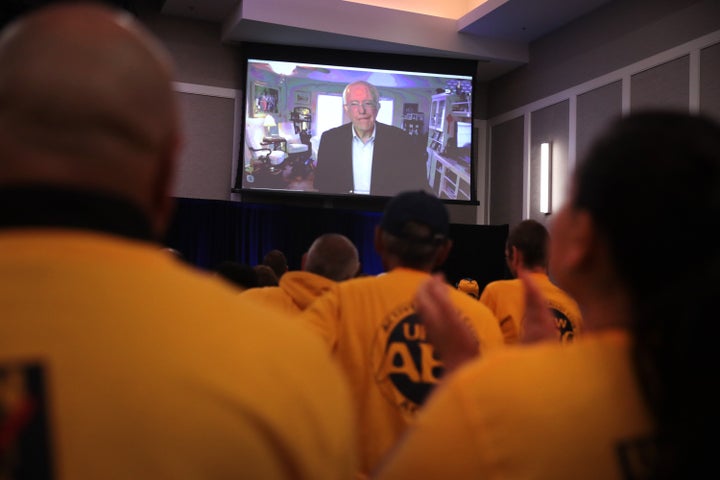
(49, 206)
(356, 137)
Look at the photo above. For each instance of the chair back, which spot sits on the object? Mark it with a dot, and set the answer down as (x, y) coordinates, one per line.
(254, 132)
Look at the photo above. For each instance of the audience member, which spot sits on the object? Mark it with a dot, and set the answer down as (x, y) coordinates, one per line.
(526, 248)
(276, 260)
(331, 258)
(266, 276)
(366, 156)
(136, 365)
(622, 401)
(241, 275)
(371, 326)
(469, 286)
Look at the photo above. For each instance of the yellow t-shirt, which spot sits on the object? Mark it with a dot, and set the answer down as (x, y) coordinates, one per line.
(371, 327)
(548, 411)
(296, 290)
(506, 299)
(142, 367)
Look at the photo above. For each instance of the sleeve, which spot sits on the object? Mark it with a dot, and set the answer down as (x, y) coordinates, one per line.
(321, 182)
(481, 319)
(322, 317)
(488, 329)
(489, 298)
(441, 443)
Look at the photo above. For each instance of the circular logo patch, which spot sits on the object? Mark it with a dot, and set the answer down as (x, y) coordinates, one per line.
(406, 368)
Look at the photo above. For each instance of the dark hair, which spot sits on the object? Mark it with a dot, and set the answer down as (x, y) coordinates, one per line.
(276, 260)
(652, 187)
(531, 238)
(266, 276)
(239, 274)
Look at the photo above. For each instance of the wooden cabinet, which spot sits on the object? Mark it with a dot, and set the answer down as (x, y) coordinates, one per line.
(446, 109)
(449, 178)
(437, 138)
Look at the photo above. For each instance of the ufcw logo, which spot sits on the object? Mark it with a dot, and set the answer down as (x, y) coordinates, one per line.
(564, 326)
(407, 366)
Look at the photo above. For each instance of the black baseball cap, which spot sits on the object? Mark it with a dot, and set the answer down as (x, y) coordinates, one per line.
(419, 207)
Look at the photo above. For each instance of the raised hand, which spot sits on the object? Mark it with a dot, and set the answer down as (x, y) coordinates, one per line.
(538, 323)
(452, 338)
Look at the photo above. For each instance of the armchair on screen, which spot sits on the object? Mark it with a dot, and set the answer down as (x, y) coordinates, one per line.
(300, 156)
(261, 155)
(295, 148)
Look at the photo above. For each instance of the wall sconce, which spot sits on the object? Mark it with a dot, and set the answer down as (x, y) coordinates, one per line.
(545, 177)
(269, 123)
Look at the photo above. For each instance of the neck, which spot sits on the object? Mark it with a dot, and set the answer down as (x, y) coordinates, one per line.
(364, 135)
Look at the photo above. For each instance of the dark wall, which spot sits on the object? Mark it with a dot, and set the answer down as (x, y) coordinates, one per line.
(626, 56)
(620, 33)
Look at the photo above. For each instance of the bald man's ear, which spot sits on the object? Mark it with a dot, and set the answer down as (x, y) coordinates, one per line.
(163, 203)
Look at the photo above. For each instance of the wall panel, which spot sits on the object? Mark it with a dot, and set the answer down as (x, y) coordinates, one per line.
(664, 86)
(205, 164)
(709, 82)
(506, 172)
(595, 109)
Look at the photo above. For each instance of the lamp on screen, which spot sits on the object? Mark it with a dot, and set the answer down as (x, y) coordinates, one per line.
(269, 123)
(545, 169)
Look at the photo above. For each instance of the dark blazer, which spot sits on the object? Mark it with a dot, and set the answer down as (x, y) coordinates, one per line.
(399, 162)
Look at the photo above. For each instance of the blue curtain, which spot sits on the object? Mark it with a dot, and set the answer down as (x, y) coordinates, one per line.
(207, 232)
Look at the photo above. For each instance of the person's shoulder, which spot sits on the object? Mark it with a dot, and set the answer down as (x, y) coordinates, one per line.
(355, 284)
(266, 315)
(501, 285)
(535, 360)
(469, 305)
(340, 129)
(384, 128)
(504, 282)
(509, 369)
(260, 292)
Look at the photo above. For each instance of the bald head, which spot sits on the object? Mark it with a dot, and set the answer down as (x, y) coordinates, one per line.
(333, 256)
(86, 102)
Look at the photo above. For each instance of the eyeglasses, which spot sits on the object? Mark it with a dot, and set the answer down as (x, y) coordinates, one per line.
(366, 105)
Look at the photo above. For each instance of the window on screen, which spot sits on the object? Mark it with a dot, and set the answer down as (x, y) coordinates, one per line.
(329, 112)
(385, 114)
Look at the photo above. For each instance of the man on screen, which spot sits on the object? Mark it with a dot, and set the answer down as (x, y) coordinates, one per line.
(367, 157)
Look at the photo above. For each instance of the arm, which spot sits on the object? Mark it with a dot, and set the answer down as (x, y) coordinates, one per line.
(322, 316)
(451, 337)
(537, 324)
(333, 172)
(321, 168)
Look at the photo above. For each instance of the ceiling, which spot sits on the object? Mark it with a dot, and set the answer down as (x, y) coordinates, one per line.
(495, 32)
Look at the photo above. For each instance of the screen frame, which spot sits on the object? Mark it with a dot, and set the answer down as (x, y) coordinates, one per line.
(352, 59)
